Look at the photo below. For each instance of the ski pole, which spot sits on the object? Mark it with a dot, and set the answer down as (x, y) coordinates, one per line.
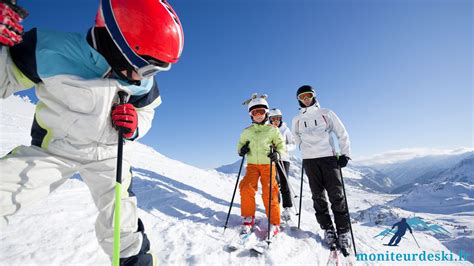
(348, 213)
(282, 167)
(270, 196)
(301, 194)
(235, 189)
(118, 188)
(415, 239)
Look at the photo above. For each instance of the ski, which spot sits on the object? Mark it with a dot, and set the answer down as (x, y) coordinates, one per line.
(241, 241)
(260, 247)
(263, 245)
(333, 259)
(348, 257)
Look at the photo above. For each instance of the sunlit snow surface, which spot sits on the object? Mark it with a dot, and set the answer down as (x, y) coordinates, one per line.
(184, 210)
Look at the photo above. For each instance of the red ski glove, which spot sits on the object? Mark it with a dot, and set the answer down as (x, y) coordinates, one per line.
(124, 116)
(11, 16)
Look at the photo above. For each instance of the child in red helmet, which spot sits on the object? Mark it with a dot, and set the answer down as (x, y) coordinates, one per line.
(77, 80)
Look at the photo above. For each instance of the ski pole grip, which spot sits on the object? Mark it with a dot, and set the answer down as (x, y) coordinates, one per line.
(123, 97)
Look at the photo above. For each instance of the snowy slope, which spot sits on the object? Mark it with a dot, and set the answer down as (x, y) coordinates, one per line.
(445, 199)
(183, 209)
(16, 118)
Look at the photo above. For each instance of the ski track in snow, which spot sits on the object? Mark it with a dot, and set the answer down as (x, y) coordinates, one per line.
(183, 209)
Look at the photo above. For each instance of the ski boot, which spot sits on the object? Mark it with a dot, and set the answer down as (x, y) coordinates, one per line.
(274, 230)
(286, 214)
(330, 237)
(344, 243)
(247, 224)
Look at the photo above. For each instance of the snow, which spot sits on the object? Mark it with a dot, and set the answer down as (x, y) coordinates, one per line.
(184, 210)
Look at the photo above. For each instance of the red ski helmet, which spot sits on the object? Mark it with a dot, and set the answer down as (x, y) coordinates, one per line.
(147, 32)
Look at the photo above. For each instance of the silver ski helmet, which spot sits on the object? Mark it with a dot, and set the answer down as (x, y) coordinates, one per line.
(274, 112)
(306, 89)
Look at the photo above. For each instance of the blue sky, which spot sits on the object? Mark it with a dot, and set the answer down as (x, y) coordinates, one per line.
(398, 73)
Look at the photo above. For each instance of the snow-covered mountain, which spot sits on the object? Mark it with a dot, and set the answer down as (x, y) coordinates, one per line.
(360, 176)
(184, 210)
(449, 191)
(445, 198)
(405, 167)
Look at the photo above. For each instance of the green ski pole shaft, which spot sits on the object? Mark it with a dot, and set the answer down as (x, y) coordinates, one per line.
(118, 191)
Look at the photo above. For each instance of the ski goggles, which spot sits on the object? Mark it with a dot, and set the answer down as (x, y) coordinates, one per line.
(152, 69)
(305, 95)
(258, 111)
(275, 118)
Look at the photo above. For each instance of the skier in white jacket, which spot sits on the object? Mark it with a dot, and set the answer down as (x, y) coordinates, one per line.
(77, 79)
(275, 117)
(313, 128)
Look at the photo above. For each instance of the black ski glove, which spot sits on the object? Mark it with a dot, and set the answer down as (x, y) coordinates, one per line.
(343, 160)
(244, 150)
(274, 156)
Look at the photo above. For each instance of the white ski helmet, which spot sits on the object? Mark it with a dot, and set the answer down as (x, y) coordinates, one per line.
(256, 101)
(274, 112)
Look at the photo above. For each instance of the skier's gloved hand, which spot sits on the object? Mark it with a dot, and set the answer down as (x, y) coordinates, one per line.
(11, 16)
(244, 150)
(343, 160)
(275, 156)
(124, 116)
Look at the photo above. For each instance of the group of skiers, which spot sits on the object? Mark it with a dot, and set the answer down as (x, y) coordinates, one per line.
(78, 114)
(267, 142)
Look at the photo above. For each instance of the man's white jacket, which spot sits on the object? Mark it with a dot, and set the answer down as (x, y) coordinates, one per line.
(312, 129)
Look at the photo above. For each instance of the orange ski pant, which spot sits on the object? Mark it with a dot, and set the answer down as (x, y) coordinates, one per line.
(249, 187)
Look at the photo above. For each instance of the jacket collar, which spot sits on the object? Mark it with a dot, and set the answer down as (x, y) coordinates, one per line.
(311, 108)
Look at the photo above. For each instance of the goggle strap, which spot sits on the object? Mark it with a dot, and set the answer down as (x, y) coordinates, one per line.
(118, 38)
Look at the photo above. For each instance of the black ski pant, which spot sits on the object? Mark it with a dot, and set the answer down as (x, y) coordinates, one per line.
(143, 258)
(283, 184)
(323, 174)
(396, 239)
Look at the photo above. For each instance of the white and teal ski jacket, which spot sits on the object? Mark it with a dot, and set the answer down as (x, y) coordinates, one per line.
(72, 117)
(313, 128)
